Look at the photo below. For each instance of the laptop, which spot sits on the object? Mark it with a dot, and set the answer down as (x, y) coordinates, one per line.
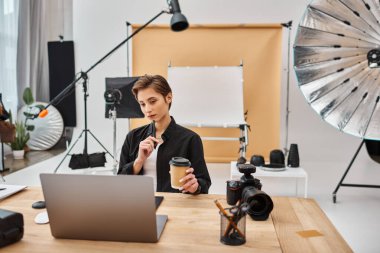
(99, 207)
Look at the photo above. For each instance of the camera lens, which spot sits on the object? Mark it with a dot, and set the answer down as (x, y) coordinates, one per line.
(260, 203)
(233, 191)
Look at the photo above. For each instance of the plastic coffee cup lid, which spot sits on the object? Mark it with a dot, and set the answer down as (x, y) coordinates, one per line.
(180, 162)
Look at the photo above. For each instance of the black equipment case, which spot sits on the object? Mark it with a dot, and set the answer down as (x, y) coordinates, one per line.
(11, 227)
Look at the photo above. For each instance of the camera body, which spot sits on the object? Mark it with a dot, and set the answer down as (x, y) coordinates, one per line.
(235, 187)
(248, 190)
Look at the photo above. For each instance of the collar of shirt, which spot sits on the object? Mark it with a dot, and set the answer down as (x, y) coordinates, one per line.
(168, 132)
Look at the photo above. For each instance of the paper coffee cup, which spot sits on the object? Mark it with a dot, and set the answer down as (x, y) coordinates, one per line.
(178, 167)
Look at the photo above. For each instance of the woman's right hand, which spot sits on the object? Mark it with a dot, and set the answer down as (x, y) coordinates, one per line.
(146, 148)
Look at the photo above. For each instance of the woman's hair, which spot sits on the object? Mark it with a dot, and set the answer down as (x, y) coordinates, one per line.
(157, 82)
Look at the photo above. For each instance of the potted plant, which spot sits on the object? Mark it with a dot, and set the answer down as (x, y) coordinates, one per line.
(19, 143)
(22, 136)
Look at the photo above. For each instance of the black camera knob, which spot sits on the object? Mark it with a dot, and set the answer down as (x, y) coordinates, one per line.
(241, 160)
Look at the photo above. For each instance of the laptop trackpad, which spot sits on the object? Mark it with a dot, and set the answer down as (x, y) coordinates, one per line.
(161, 221)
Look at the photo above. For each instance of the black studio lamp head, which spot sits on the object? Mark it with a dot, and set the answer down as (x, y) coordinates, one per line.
(178, 22)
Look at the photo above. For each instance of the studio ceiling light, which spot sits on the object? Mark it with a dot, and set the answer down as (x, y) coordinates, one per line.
(337, 60)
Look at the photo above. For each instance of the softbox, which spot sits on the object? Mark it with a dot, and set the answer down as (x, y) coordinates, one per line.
(127, 107)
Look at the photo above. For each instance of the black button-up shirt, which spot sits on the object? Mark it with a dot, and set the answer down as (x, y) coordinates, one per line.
(177, 142)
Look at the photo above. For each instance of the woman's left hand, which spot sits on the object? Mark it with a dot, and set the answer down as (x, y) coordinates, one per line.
(191, 184)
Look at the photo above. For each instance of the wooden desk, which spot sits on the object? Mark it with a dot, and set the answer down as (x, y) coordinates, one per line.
(193, 226)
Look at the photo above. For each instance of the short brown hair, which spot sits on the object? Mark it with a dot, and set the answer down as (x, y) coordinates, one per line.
(157, 82)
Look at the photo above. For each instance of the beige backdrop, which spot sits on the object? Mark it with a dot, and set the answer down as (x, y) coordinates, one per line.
(258, 46)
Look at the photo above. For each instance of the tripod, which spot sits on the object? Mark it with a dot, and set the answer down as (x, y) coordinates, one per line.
(341, 184)
(85, 131)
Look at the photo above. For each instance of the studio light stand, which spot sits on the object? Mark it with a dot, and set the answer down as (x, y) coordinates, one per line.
(289, 26)
(84, 76)
(342, 184)
(113, 114)
(85, 131)
(113, 98)
(120, 103)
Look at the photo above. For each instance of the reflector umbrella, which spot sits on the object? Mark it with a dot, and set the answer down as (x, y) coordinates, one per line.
(336, 60)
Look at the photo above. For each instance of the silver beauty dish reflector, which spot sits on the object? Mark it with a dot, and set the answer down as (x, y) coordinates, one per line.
(47, 131)
(336, 59)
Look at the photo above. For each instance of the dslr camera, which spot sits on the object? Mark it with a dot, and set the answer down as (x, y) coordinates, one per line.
(248, 190)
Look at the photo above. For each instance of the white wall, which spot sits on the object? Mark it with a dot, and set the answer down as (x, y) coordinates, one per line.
(99, 25)
(60, 19)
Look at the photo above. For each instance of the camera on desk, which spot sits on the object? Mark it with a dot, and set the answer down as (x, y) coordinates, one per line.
(248, 190)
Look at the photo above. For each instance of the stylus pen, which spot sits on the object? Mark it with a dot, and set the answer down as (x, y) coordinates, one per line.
(154, 133)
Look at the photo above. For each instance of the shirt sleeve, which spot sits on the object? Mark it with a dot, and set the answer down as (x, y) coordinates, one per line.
(198, 164)
(126, 161)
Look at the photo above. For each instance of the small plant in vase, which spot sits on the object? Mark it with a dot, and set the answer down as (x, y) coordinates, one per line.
(19, 143)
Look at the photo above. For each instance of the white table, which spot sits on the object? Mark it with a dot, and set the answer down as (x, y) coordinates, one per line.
(287, 182)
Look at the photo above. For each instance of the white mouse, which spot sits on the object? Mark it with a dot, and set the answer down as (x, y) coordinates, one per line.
(41, 218)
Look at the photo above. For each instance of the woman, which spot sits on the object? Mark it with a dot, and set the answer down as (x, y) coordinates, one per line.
(144, 153)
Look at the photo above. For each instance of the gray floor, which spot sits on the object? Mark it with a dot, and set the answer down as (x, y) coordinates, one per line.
(355, 215)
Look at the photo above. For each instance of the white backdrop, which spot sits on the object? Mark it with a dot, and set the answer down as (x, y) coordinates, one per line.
(214, 94)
